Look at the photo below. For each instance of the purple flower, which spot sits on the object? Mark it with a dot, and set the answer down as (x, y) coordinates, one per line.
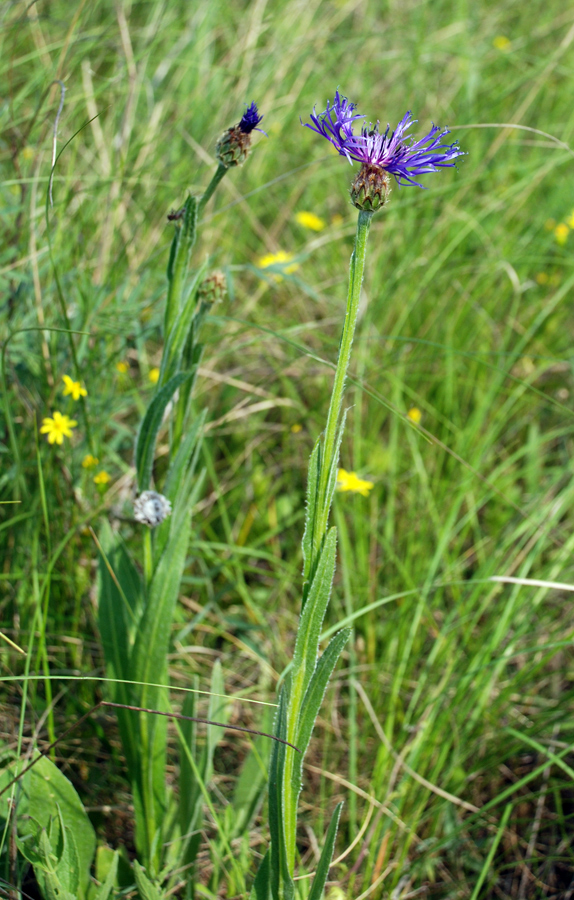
(396, 153)
(250, 120)
(336, 123)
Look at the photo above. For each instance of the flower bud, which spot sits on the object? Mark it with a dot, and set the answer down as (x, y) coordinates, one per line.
(213, 288)
(151, 508)
(371, 188)
(233, 146)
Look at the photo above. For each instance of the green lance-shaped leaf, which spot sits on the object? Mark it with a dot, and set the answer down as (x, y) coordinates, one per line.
(149, 667)
(105, 888)
(322, 873)
(147, 435)
(178, 264)
(333, 469)
(176, 339)
(261, 888)
(310, 624)
(146, 888)
(311, 509)
(317, 508)
(312, 703)
(282, 886)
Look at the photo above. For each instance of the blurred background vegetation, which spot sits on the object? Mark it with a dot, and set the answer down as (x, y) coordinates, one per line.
(457, 693)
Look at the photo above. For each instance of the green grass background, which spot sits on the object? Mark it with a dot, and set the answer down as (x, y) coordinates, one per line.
(457, 692)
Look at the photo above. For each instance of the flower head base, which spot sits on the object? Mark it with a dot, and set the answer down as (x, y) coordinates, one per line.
(371, 188)
(396, 153)
(151, 508)
(57, 427)
(233, 146)
(74, 388)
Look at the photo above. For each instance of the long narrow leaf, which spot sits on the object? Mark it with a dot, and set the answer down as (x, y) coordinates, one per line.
(261, 888)
(147, 435)
(322, 873)
(310, 624)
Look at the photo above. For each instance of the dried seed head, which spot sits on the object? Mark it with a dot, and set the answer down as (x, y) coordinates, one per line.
(151, 508)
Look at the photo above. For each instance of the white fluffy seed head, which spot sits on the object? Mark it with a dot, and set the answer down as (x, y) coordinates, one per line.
(151, 508)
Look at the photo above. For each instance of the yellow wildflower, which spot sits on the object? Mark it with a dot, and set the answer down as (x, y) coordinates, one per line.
(28, 153)
(89, 461)
(154, 375)
(541, 278)
(501, 42)
(122, 367)
(57, 427)
(350, 481)
(296, 428)
(337, 219)
(561, 233)
(414, 414)
(74, 388)
(550, 224)
(102, 477)
(278, 259)
(310, 220)
(570, 220)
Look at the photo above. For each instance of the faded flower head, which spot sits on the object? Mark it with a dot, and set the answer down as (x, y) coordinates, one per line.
(381, 154)
(233, 146)
(151, 508)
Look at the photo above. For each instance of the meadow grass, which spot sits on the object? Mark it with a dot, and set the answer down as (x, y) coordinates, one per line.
(447, 729)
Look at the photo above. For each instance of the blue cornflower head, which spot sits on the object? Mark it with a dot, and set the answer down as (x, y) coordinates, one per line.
(233, 146)
(250, 119)
(384, 154)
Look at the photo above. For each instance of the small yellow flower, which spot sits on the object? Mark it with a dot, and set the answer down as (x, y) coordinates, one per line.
(570, 220)
(541, 278)
(310, 220)
(102, 477)
(122, 367)
(414, 414)
(74, 388)
(296, 428)
(349, 481)
(57, 427)
(278, 259)
(337, 219)
(561, 233)
(550, 224)
(89, 461)
(501, 42)
(154, 375)
(28, 153)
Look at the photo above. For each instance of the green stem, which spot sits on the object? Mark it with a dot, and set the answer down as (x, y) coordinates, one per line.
(148, 557)
(219, 173)
(353, 298)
